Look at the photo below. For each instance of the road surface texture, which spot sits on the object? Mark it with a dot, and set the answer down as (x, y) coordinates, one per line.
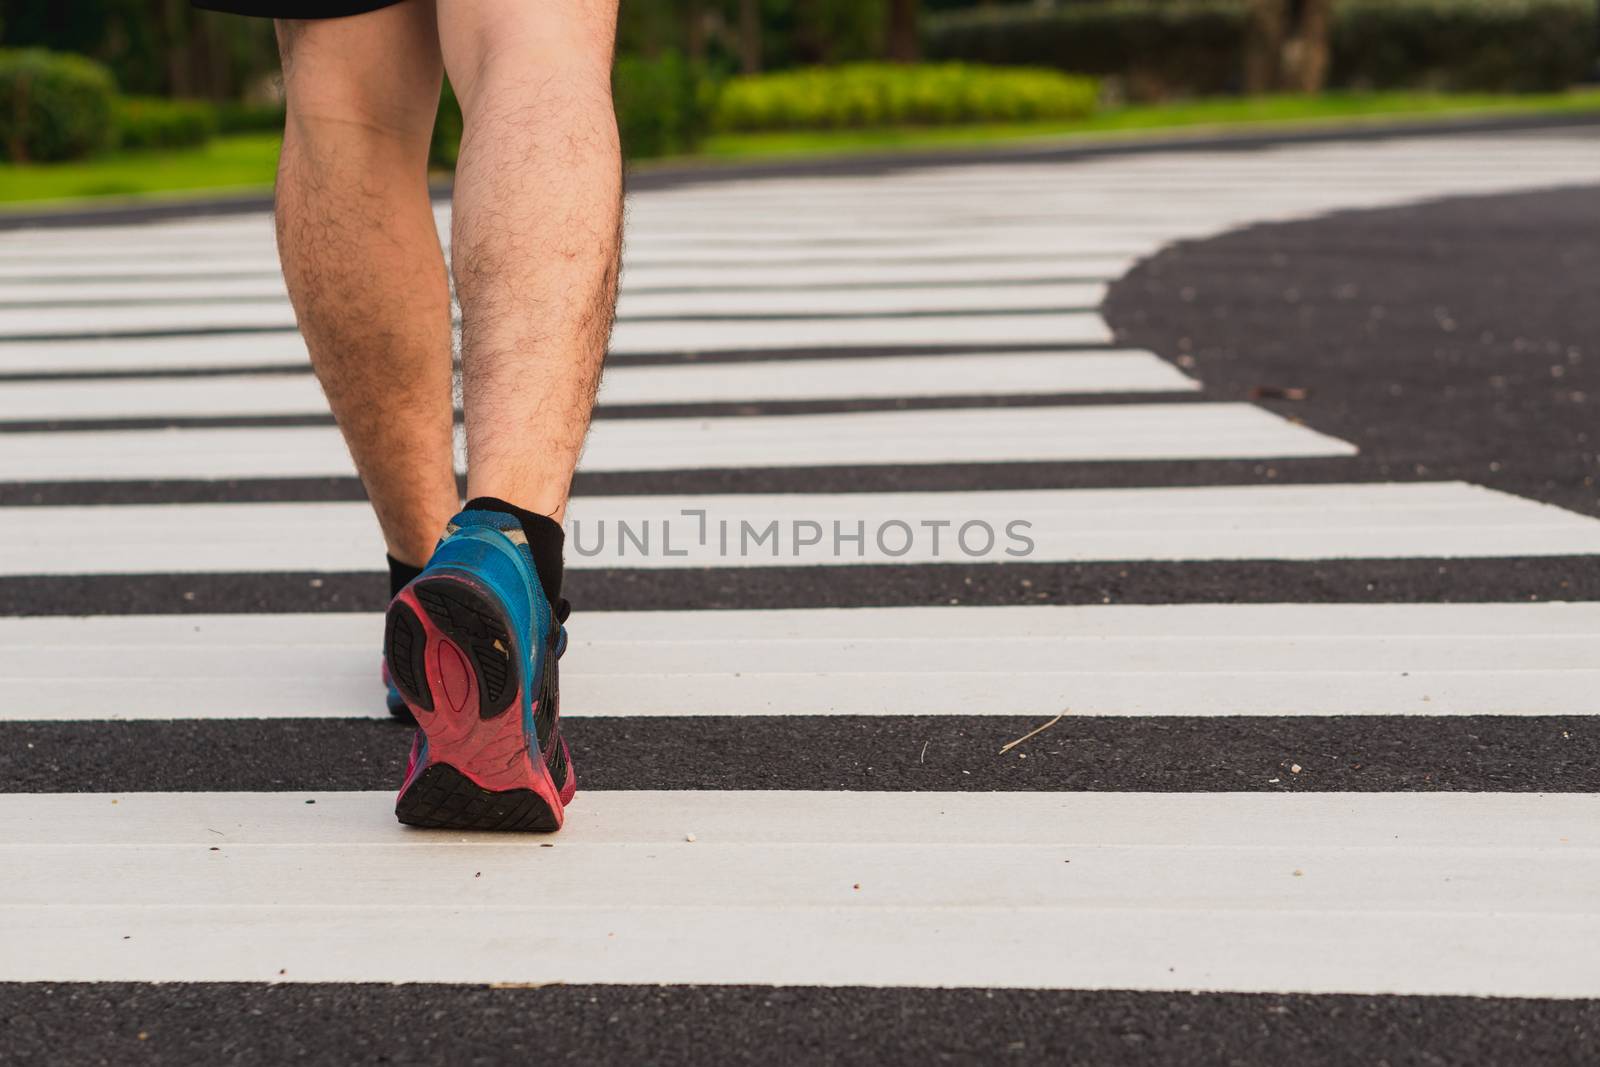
(1121, 610)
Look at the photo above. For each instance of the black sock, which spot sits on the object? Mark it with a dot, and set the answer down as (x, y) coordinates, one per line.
(545, 539)
(400, 575)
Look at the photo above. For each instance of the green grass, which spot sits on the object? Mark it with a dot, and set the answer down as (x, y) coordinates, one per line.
(246, 162)
(227, 164)
(1217, 114)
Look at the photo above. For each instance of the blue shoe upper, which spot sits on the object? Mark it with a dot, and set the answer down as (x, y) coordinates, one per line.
(492, 546)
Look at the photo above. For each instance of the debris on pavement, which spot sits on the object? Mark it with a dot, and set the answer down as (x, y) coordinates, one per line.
(1009, 745)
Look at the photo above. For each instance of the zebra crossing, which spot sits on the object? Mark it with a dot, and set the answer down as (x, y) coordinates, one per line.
(874, 359)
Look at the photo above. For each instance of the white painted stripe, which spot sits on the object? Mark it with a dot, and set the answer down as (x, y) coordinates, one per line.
(630, 338)
(1200, 659)
(814, 210)
(855, 218)
(986, 374)
(96, 398)
(864, 237)
(94, 260)
(1087, 433)
(63, 259)
(1070, 198)
(875, 218)
(673, 231)
(637, 282)
(19, 271)
(982, 374)
(719, 817)
(862, 301)
(909, 271)
(134, 287)
(1424, 520)
(101, 319)
(218, 314)
(1324, 167)
(1315, 170)
(1458, 893)
(152, 353)
(287, 349)
(890, 265)
(1334, 168)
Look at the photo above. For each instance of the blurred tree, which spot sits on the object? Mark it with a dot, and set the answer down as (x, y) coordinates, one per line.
(829, 31)
(153, 46)
(749, 36)
(696, 24)
(1289, 46)
(709, 32)
(755, 35)
(902, 32)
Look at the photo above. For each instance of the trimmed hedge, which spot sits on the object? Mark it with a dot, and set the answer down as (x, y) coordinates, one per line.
(152, 122)
(1194, 47)
(53, 106)
(882, 94)
(663, 108)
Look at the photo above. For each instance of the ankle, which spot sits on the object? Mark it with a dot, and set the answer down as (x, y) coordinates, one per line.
(401, 574)
(546, 540)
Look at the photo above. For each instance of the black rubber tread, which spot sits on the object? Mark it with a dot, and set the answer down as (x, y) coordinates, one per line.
(404, 643)
(547, 722)
(544, 718)
(479, 629)
(442, 798)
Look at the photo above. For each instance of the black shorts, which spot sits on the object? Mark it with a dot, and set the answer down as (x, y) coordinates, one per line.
(295, 9)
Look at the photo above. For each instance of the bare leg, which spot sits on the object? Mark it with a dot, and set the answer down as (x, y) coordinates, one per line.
(536, 234)
(361, 255)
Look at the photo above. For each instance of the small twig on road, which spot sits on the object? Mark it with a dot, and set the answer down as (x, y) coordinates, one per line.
(1279, 392)
(1009, 745)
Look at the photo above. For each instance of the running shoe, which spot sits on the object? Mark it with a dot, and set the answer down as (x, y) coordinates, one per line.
(392, 698)
(471, 646)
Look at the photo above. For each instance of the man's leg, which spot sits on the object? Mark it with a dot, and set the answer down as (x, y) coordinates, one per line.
(537, 214)
(361, 254)
(536, 235)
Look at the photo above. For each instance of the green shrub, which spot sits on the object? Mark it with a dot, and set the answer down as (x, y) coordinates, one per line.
(446, 144)
(151, 122)
(664, 105)
(237, 117)
(663, 108)
(881, 94)
(1482, 45)
(1155, 47)
(1195, 47)
(53, 106)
